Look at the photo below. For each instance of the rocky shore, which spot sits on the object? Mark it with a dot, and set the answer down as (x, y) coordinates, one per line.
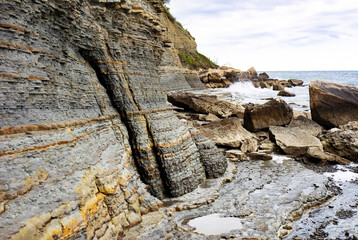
(105, 133)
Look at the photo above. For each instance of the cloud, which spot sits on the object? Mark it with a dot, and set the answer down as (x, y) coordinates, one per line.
(273, 34)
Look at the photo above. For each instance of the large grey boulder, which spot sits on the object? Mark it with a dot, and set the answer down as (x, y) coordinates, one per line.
(342, 141)
(204, 103)
(230, 133)
(273, 113)
(333, 104)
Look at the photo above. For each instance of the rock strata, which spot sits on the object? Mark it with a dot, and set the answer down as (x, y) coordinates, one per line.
(84, 119)
(333, 104)
(273, 113)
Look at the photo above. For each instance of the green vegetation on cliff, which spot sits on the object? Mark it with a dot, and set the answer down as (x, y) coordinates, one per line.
(194, 60)
(189, 56)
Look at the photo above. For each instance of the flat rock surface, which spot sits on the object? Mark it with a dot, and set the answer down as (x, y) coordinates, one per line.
(266, 196)
(294, 141)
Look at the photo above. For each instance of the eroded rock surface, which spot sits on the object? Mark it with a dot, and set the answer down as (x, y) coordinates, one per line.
(84, 119)
(342, 141)
(333, 104)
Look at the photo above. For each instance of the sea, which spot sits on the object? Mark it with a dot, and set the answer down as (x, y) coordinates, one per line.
(245, 92)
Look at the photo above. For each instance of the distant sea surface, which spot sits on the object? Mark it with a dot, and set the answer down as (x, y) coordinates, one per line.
(245, 92)
(346, 77)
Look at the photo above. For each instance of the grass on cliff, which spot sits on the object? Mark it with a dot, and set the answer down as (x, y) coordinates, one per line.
(195, 60)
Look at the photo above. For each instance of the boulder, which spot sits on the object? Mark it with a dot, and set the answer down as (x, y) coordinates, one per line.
(203, 103)
(253, 73)
(230, 133)
(284, 93)
(264, 84)
(333, 104)
(297, 113)
(342, 141)
(273, 113)
(285, 83)
(306, 125)
(295, 82)
(263, 76)
(277, 86)
(214, 77)
(294, 141)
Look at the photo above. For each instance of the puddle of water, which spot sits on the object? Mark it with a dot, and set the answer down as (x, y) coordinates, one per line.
(213, 224)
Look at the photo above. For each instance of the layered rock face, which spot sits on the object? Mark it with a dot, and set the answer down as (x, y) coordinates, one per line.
(84, 119)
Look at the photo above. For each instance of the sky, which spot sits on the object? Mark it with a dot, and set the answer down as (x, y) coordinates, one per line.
(274, 35)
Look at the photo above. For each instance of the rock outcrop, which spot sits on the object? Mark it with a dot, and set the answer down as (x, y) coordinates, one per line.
(333, 104)
(342, 141)
(230, 133)
(84, 119)
(275, 112)
(204, 103)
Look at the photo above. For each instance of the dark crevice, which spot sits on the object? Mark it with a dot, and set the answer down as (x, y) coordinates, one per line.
(103, 80)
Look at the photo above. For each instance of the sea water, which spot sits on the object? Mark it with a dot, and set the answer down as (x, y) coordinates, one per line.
(245, 92)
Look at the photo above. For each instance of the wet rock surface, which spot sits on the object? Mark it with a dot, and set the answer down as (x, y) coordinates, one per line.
(336, 220)
(268, 197)
(333, 104)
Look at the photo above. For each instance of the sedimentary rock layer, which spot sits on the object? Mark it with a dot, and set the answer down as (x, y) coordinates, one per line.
(84, 121)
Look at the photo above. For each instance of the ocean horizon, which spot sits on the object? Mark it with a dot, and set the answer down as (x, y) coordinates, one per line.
(245, 92)
(345, 77)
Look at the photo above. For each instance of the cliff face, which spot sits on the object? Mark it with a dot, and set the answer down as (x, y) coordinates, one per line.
(84, 120)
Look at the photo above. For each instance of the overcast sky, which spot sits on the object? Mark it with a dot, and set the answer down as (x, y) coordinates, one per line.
(274, 34)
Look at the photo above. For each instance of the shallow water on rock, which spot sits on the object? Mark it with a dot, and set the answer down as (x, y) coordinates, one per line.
(215, 224)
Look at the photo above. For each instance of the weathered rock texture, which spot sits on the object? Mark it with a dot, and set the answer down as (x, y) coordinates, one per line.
(342, 141)
(230, 133)
(82, 112)
(333, 104)
(273, 113)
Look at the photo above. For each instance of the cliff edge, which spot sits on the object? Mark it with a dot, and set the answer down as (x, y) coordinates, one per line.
(85, 130)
